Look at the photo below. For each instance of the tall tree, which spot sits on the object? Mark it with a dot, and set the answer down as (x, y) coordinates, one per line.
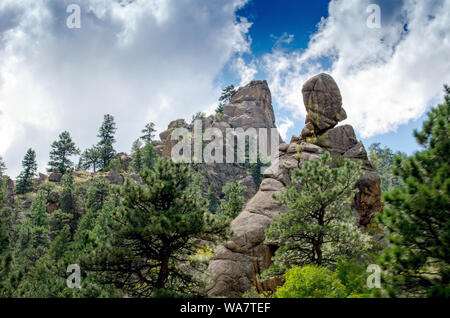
(233, 201)
(224, 98)
(149, 156)
(137, 156)
(319, 225)
(417, 215)
(105, 145)
(90, 158)
(25, 178)
(148, 132)
(154, 232)
(61, 152)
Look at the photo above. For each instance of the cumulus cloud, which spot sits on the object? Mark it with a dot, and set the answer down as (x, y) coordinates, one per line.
(283, 127)
(139, 60)
(387, 75)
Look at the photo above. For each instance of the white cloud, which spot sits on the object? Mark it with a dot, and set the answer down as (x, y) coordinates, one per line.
(283, 127)
(138, 60)
(387, 76)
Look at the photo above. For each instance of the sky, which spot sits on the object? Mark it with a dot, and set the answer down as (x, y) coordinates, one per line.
(159, 60)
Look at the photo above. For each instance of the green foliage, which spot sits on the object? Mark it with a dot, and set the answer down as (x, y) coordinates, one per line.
(105, 145)
(91, 158)
(61, 152)
(25, 178)
(311, 281)
(153, 231)
(148, 132)
(224, 98)
(213, 200)
(2, 166)
(417, 214)
(149, 156)
(233, 201)
(352, 274)
(137, 156)
(383, 161)
(319, 225)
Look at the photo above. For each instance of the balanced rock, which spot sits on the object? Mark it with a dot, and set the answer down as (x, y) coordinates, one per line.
(237, 264)
(323, 103)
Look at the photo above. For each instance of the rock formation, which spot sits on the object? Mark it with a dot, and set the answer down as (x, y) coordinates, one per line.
(237, 262)
(249, 107)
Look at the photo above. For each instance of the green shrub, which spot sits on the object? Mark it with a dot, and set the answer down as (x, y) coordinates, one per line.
(311, 281)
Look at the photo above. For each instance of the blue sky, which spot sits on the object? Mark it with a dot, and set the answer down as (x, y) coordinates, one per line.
(273, 19)
(160, 60)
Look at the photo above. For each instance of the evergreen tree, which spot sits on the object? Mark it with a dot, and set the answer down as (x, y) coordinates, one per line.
(25, 179)
(213, 200)
(2, 166)
(61, 152)
(105, 145)
(91, 158)
(137, 156)
(383, 160)
(149, 156)
(148, 132)
(153, 232)
(224, 98)
(319, 225)
(417, 214)
(233, 201)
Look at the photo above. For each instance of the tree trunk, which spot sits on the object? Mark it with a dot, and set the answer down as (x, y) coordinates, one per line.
(163, 272)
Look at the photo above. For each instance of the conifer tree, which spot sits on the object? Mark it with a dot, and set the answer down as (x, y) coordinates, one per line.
(61, 152)
(25, 179)
(149, 156)
(90, 158)
(319, 225)
(233, 201)
(2, 166)
(153, 232)
(105, 145)
(137, 156)
(417, 215)
(148, 132)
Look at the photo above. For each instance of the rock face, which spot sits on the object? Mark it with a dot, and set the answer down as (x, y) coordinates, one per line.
(249, 107)
(237, 262)
(323, 103)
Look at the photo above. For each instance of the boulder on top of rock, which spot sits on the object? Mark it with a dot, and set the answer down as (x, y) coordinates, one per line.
(323, 103)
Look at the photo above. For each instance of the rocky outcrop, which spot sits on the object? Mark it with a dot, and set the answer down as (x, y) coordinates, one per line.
(237, 263)
(249, 107)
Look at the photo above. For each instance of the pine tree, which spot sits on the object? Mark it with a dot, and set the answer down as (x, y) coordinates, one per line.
(148, 132)
(90, 158)
(224, 98)
(137, 156)
(233, 201)
(383, 158)
(61, 152)
(25, 179)
(149, 156)
(417, 214)
(2, 166)
(213, 200)
(319, 225)
(154, 232)
(105, 145)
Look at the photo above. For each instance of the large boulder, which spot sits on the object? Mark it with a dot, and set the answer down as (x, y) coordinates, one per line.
(323, 103)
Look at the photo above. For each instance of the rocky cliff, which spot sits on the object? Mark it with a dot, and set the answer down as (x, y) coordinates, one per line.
(237, 262)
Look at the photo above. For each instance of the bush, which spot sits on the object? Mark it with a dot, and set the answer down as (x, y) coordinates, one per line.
(311, 281)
